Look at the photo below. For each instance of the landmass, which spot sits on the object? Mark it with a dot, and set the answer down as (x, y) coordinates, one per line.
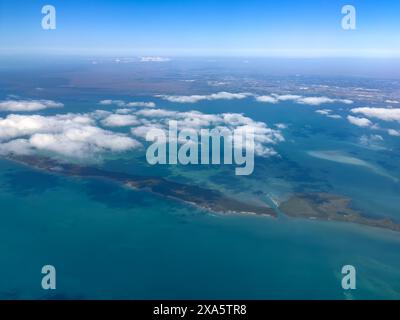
(208, 199)
(325, 206)
(321, 206)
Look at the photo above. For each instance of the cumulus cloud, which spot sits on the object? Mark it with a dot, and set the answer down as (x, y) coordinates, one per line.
(71, 135)
(28, 105)
(17, 146)
(272, 98)
(119, 120)
(327, 113)
(141, 104)
(313, 101)
(281, 126)
(287, 97)
(196, 98)
(142, 130)
(123, 111)
(82, 141)
(267, 99)
(392, 101)
(385, 114)
(360, 122)
(324, 112)
(316, 101)
(157, 113)
(334, 116)
(99, 114)
(159, 119)
(154, 59)
(18, 125)
(85, 136)
(123, 104)
(393, 132)
(110, 102)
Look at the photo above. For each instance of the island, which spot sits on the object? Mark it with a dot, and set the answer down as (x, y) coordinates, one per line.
(203, 198)
(316, 206)
(326, 206)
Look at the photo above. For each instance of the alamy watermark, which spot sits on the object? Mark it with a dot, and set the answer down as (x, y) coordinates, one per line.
(49, 280)
(49, 20)
(349, 277)
(349, 21)
(204, 146)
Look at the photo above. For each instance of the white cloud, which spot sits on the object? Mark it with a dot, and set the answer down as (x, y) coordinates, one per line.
(324, 112)
(17, 125)
(141, 104)
(123, 111)
(316, 101)
(275, 98)
(313, 101)
(154, 59)
(71, 135)
(123, 104)
(159, 118)
(79, 135)
(385, 114)
(287, 97)
(110, 102)
(142, 130)
(393, 132)
(267, 99)
(281, 126)
(81, 142)
(392, 101)
(156, 113)
(327, 112)
(360, 122)
(99, 114)
(119, 120)
(196, 98)
(28, 105)
(17, 146)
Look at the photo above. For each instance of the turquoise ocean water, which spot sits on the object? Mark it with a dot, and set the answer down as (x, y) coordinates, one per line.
(109, 242)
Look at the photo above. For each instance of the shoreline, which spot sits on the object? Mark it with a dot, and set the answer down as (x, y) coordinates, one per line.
(310, 206)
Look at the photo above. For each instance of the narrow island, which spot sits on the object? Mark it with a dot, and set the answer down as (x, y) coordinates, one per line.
(319, 206)
(207, 199)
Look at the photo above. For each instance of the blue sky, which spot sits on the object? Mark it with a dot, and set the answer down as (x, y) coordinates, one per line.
(307, 28)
